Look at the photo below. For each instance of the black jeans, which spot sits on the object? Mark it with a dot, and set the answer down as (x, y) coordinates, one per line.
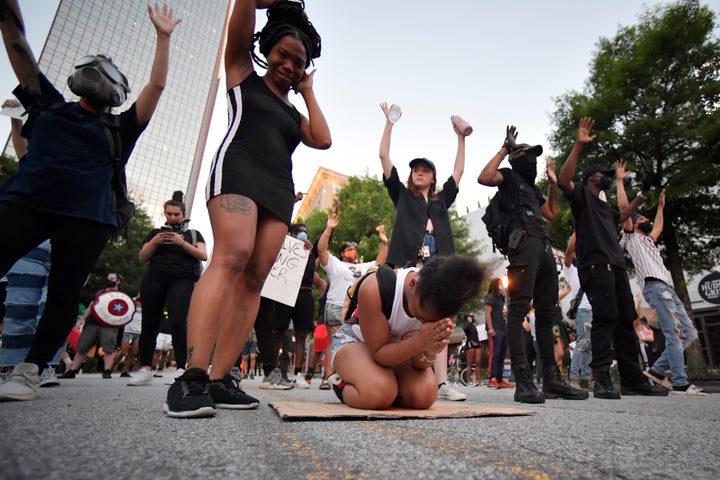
(500, 345)
(532, 276)
(608, 290)
(269, 338)
(76, 245)
(158, 291)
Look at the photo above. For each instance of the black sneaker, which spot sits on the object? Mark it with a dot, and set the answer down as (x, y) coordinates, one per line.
(107, 374)
(125, 375)
(69, 374)
(188, 397)
(645, 389)
(226, 393)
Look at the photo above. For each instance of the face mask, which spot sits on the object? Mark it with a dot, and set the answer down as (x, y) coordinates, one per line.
(526, 167)
(110, 283)
(99, 81)
(645, 227)
(604, 183)
(302, 236)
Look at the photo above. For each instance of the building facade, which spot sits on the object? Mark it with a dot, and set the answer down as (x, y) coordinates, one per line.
(168, 155)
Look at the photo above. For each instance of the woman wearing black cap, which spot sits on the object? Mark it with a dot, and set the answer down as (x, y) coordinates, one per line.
(422, 223)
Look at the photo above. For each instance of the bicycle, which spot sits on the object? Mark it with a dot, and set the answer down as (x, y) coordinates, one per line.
(456, 373)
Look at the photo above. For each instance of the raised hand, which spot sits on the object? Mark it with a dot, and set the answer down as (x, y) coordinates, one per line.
(620, 172)
(584, 129)
(381, 233)
(511, 135)
(661, 200)
(163, 19)
(550, 170)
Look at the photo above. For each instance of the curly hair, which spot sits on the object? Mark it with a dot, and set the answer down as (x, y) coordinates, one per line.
(287, 17)
(446, 283)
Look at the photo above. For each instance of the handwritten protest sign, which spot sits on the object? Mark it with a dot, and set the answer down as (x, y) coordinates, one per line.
(283, 282)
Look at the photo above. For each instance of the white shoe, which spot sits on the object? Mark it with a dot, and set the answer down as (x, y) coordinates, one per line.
(274, 381)
(23, 383)
(300, 382)
(175, 375)
(141, 378)
(692, 390)
(446, 392)
(48, 377)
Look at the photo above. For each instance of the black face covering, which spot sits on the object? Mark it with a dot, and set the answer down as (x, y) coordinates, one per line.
(526, 166)
(645, 227)
(604, 183)
(110, 284)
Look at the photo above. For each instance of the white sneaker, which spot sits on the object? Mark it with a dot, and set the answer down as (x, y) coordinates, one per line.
(692, 390)
(446, 392)
(141, 378)
(300, 382)
(48, 377)
(175, 375)
(22, 383)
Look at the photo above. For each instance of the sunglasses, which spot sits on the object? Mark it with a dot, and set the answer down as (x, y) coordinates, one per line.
(105, 66)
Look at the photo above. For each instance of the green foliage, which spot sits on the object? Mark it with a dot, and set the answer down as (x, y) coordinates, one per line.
(654, 92)
(8, 167)
(121, 256)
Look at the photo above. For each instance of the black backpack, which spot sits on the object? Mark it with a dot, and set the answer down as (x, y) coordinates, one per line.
(386, 284)
(122, 207)
(497, 219)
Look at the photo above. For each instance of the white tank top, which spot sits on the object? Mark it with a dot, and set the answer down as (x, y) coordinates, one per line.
(402, 326)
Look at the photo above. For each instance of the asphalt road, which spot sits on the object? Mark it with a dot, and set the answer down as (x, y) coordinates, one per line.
(94, 428)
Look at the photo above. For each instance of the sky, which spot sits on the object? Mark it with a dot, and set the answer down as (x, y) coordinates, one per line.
(493, 63)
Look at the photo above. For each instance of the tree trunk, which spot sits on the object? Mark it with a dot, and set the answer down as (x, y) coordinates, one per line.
(694, 357)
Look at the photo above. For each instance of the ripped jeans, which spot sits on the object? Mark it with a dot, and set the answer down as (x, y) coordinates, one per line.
(582, 355)
(674, 323)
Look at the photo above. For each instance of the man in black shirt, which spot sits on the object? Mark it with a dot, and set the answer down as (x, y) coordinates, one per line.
(532, 273)
(603, 278)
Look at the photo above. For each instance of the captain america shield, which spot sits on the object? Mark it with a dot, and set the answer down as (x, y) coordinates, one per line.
(113, 308)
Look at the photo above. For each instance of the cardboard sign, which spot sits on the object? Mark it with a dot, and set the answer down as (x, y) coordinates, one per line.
(283, 282)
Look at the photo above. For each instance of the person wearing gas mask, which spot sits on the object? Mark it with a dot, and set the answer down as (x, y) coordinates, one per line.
(173, 253)
(532, 273)
(63, 188)
(602, 273)
(639, 241)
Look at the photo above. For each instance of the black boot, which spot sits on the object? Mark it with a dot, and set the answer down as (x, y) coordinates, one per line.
(603, 385)
(525, 389)
(555, 387)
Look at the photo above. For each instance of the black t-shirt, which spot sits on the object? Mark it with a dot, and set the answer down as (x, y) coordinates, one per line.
(309, 275)
(596, 229)
(411, 220)
(497, 304)
(171, 259)
(471, 333)
(527, 215)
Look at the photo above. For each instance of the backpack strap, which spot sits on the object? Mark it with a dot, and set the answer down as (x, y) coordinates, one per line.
(193, 236)
(386, 279)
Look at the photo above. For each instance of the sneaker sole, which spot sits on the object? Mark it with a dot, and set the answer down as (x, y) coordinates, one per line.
(233, 406)
(26, 396)
(145, 384)
(199, 413)
(665, 383)
(452, 399)
(49, 383)
(270, 386)
(302, 386)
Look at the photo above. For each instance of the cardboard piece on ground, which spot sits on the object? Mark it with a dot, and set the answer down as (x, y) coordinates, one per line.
(336, 411)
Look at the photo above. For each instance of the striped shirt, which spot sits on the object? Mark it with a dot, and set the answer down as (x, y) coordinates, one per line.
(646, 258)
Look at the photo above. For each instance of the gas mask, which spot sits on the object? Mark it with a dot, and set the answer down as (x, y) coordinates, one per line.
(99, 81)
(645, 227)
(525, 166)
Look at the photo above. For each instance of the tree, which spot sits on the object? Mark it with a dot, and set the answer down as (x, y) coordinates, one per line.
(121, 256)
(363, 205)
(8, 167)
(654, 92)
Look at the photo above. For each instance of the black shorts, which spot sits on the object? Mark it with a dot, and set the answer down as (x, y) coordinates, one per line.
(301, 314)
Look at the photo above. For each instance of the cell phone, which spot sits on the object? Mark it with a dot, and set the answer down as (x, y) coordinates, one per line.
(166, 228)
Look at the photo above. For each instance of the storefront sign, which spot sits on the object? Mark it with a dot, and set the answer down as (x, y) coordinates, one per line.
(709, 288)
